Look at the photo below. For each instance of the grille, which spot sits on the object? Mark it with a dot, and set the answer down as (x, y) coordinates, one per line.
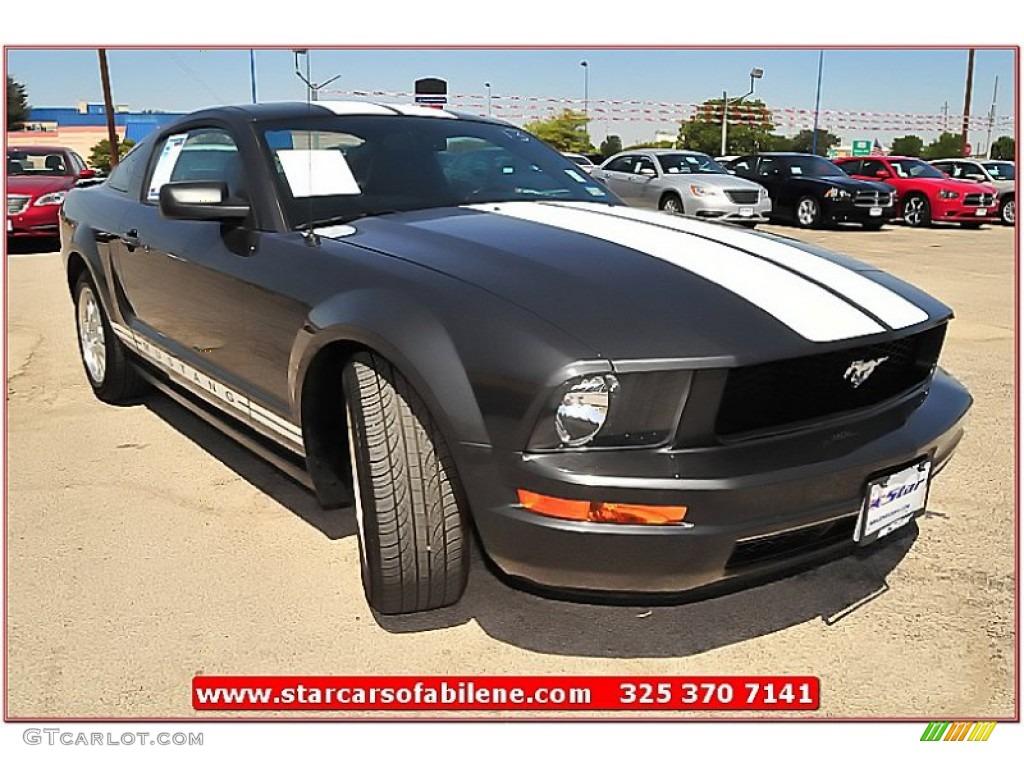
(16, 204)
(791, 543)
(743, 196)
(978, 199)
(872, 198)
(773, 395)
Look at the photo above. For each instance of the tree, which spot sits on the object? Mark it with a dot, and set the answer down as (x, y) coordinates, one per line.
(99, 155)
(17, 104)
(611, 145)
(653, 145)
(750, 126)
(1003, 148)
(908, 146)
(566, 132)
(947, 145)
(804, 141)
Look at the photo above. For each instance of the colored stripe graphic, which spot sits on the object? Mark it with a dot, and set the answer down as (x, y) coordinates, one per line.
(958, 731)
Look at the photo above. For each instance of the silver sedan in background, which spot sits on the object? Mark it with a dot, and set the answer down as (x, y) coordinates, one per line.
(680, 181)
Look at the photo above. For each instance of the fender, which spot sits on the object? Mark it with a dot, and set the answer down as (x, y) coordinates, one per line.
(413, 339)
(85, 242)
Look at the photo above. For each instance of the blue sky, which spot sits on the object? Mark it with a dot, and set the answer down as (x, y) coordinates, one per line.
(904, 81)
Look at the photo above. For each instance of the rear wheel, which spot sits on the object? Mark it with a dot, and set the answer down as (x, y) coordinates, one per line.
(808, 213)
(410, 512)
(916, 211)
(671, 203)
(107, 367)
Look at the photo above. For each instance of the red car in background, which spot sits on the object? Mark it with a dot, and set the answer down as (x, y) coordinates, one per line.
(37, 180)
(924, 194)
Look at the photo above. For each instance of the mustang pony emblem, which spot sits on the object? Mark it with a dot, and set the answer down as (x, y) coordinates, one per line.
(860, 370)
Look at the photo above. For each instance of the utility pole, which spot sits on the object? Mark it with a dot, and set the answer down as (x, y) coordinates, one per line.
(992, 119)
(945, 116)
(817, 104)
(252, 73)
(967, 102)
(108, 107)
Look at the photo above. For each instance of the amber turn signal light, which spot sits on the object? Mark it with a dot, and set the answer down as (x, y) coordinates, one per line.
(600, 512)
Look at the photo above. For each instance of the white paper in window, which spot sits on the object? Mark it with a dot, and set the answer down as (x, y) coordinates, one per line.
(317, 172)
(165, 164)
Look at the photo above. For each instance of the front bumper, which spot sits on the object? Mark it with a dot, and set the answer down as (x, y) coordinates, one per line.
(723, 209)
(34, 221)
(842, 210)
(755, 509)
(955, 210)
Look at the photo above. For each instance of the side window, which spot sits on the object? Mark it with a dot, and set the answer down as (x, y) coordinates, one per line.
(853, 167)
(122, 174)
(768, 167)
(202, 154)
(622, 164)
(869, 167)
(77, 164)
(745, 164)
(944, 167)
(645, 164)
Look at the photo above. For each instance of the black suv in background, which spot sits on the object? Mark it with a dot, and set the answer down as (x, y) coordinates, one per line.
(811, 191)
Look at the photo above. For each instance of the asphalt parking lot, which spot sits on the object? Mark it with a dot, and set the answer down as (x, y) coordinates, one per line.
(144, 548)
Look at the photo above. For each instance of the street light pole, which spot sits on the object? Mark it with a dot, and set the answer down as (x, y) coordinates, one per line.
(586, 89)
(488, 87)
(755, 74)
(313, 89)
(817, 105)
(252, 73)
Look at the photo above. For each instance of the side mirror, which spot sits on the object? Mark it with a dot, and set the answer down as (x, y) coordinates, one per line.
(882, 174)
(974, 176)
(200, 201)
(87, 173)
(648, 172)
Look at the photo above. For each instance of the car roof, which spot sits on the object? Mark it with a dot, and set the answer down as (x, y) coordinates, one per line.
(284, 110)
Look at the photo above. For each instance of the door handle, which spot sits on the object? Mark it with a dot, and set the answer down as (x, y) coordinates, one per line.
(131, 239)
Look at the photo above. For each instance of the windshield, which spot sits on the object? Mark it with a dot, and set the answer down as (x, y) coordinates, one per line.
(339, 169)
(689, 163)
(915, 169)
(806, 165)
(37, 162)
(1001, 171)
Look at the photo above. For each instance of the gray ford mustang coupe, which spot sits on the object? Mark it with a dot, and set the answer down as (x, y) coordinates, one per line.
(443, 323)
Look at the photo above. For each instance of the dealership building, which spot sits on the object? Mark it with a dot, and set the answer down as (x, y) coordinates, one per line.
(82, 127)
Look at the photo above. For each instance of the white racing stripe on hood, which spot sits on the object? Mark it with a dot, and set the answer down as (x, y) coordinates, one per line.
(807, 308)
(883, 303)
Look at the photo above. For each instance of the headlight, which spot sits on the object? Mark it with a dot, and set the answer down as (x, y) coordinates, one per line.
(51, 198)
(835, 193)
(701, 191)
(948, 194)
(584, 408)
(627, 410)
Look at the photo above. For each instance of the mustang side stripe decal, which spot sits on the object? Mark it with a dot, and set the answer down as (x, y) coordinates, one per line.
(207, 386)
(807, 308)
(885, 304)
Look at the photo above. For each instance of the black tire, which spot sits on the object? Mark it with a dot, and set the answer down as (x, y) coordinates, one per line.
(970, 224)
(917, 211)
(108, 369)
(807, 213)
(1008, 211)
(410, 509)
(873, 226)
(745, 224)
(671, 203)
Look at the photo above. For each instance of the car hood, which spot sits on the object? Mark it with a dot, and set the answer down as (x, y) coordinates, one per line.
(716, 180)
(38, 185)
(954, 185)
(633, 284)
(845, 182)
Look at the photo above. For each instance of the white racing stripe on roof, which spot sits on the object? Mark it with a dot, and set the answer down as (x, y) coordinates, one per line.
(882, 302)
(807, 308)
(419, 111)
(355, 108)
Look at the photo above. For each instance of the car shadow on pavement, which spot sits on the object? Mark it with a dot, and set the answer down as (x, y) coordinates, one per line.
(828, 592)
(27, 245)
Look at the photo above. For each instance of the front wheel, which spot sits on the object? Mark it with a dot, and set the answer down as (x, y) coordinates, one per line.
(808, 213)
(671, 203)
(917, 212)
(410, 512)
(1008, 212)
